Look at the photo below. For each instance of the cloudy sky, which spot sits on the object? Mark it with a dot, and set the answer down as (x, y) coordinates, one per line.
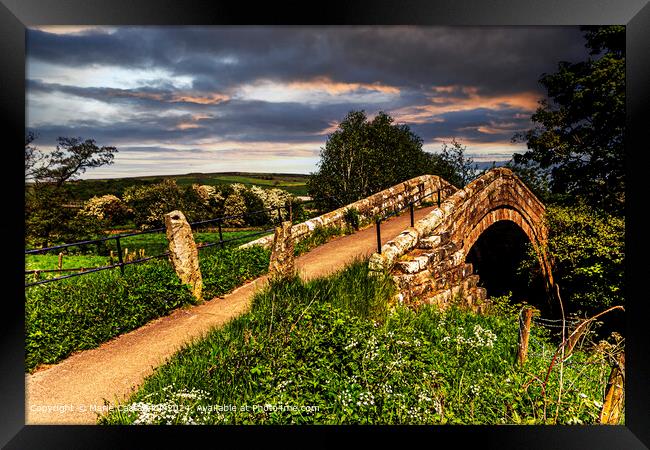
(176, 100)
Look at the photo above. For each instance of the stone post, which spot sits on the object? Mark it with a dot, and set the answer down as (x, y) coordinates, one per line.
(282, 263)
(183, 253)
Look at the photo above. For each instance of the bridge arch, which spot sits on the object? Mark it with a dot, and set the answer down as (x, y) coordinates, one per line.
(429, 260)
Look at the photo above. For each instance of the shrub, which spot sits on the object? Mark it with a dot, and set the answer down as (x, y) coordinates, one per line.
(108, 209)
(201, 202)
(224, 269)
(272, 199)
(235, 205)
(150, 203)
(352, 218)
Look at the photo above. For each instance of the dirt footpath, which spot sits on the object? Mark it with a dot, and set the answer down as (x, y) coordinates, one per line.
(73, 391)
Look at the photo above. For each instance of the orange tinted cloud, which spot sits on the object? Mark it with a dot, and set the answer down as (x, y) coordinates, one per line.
(336, 88)
(69, 29)
(329, 130)
(192, 123)
(209, 99)
(465, 98)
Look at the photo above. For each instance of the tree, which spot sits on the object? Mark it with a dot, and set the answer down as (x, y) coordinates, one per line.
(46, 217)
(452, 165)
(150, 203)
(70, 159)
(577, 142)
(33, 156)
(587, 249)
(363, 157)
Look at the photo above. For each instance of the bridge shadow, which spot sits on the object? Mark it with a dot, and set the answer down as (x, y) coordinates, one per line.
(496, 256)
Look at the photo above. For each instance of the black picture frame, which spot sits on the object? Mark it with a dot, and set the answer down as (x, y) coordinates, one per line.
(15, 15)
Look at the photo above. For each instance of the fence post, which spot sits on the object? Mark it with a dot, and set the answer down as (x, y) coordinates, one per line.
(289, 210)
(524, 334)
(220, 233)
(119, 254)
(183, 253)
(613, 404)
(378, 225)
(60, 260)
(412, 210)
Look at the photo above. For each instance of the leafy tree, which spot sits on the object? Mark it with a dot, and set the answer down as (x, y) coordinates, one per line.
(587, 251)
(577, 142)
(150, 203)
(33, 156)
(47, 219)
(452, 165)
(72, 157)
(363, 157)
(108, 209)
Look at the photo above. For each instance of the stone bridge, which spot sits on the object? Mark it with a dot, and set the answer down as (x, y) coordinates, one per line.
(430, 261)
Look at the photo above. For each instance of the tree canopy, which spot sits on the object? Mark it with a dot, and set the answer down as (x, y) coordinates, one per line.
(577, 144)
(366, 156)
(47, 218)
(72, 157)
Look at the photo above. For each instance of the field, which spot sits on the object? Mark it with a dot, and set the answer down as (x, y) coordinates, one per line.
(85, 189)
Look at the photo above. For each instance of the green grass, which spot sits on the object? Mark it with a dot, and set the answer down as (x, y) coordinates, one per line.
(156, 243)
(330, 351)
(152, 244)
(82, 312)
(225, 269)
(44, 262)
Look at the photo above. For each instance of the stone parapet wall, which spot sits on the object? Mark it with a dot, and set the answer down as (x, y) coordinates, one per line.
(377, 204)
(427, 261)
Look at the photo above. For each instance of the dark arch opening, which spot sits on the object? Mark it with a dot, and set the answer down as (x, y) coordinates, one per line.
(496, 256)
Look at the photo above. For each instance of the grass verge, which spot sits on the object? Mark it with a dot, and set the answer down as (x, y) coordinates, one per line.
(330, 352)
(82, 312)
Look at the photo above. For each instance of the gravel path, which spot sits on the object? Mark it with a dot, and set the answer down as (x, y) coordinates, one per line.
(73, 391)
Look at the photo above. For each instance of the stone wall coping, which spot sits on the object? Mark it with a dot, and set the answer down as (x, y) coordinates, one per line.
(364, 206)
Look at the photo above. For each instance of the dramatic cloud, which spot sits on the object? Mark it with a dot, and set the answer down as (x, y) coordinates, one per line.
(176, 99)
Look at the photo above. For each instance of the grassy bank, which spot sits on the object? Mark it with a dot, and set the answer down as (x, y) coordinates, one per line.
(330, 352)
(82, 312)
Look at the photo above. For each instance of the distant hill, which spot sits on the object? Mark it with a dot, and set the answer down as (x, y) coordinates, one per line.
(85, 189)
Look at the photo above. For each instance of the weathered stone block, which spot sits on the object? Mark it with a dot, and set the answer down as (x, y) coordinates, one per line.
(282, 263)
(429, 242)
(409, 266)
(183, 253)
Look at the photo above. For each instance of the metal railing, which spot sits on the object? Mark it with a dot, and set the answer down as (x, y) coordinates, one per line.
(288, 208)
(411, 206)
